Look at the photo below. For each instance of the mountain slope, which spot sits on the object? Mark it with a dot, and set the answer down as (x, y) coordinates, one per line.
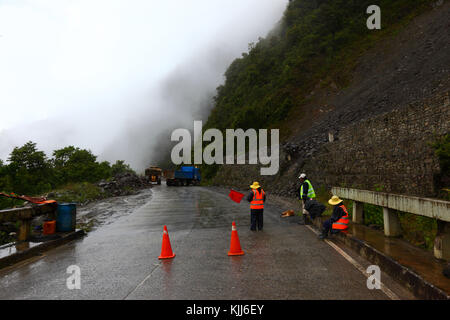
(324, 81)
(314, 40)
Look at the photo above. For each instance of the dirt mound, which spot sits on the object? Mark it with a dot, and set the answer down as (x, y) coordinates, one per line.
(124, 184)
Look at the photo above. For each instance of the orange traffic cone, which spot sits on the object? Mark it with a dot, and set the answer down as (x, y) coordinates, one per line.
(235, 245)
(166, 250)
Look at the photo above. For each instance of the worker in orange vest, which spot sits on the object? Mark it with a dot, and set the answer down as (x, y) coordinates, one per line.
(256, 197)
(339, 218)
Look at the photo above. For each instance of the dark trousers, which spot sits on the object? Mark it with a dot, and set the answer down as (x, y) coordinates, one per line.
(328, 227)
(256, 219)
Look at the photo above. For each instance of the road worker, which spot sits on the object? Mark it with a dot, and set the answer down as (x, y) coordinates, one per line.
(305, 192)
(314, 208)
(339, 218)
(256, 197)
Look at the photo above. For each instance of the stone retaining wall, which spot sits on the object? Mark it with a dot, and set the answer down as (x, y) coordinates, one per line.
(391, 152)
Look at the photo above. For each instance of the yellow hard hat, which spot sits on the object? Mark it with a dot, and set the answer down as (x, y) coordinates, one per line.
(255, 185)
(334, 200)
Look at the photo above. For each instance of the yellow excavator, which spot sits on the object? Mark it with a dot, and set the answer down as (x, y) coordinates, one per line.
(153, 173)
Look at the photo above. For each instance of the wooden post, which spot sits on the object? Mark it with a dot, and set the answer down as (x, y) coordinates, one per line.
(24, 230)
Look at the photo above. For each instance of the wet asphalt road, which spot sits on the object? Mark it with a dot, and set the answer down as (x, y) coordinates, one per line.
(119, 260)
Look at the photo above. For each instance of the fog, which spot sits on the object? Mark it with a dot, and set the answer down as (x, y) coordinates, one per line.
(116, 77)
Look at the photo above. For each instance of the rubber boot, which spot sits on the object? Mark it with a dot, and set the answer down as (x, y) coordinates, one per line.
(323, 235)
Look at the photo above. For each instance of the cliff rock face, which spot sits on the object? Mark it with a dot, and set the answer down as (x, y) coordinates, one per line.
(391, 151)
(381, 126)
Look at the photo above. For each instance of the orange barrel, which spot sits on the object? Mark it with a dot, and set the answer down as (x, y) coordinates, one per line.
(49, 227)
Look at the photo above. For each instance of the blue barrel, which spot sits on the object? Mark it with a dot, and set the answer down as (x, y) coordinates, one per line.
(66, 217)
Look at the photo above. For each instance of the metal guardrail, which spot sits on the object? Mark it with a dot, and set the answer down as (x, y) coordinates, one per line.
(392, 203)
(25, 215)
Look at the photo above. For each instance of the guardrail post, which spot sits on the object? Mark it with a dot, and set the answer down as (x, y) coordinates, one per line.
(24, 230)
(391, 222)
(358, 215)
(442, 241)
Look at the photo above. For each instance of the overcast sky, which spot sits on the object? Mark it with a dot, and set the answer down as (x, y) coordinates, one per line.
(110, 75)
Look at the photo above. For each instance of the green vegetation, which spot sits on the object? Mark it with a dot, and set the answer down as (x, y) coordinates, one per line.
(315, 40)
(5, 237)
(120, 167)
(442, 151)
(373, 215)
(87, 226)
(71, 170)
(77, 192)
(418, 230)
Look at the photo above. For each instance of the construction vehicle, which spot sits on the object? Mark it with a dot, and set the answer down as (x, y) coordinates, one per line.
(185, 176)
(154, 174)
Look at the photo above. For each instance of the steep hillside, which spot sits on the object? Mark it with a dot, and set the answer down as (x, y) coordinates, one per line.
(321, 70)
(315, 42)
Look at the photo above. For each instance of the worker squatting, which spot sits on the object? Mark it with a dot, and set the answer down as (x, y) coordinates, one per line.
(213, 153)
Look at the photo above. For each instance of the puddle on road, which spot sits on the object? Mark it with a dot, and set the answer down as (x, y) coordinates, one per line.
(107, 211)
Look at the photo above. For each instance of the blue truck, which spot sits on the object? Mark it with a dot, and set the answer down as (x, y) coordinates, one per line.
(185, 176)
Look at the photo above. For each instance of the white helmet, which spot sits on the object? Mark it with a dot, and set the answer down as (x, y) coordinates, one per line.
(302, 176)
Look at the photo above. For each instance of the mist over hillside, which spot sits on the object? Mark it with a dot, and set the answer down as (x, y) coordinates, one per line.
(117, 84)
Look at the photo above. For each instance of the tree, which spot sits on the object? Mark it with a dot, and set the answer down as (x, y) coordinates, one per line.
(60, 159)
(3, 176)
(103, 170)
(27, 157)
(79, 165)
(29, 170)
(120, 167)
(61, 156)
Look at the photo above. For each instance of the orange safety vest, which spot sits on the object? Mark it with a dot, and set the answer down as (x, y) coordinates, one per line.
(342, 223)
(258, 199)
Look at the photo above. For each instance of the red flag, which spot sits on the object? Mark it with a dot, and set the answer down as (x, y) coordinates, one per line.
(236, 196)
